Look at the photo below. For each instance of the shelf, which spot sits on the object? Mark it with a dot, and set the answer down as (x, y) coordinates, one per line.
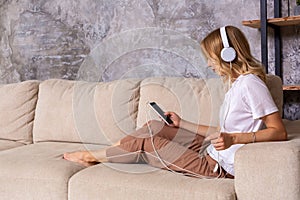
(291, 87)
(283, 21)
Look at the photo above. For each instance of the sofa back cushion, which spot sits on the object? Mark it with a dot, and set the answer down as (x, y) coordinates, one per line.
(274, 84)
(85, 112)
(195, 100)
(17, 105)
(102, 113)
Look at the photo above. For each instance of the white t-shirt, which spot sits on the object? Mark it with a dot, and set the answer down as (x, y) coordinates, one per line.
(245, 103)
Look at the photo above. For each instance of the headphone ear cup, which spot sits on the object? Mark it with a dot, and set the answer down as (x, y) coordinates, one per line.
(228, 54)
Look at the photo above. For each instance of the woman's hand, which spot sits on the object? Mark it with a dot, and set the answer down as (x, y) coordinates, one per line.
(174, 117)
(221, 141)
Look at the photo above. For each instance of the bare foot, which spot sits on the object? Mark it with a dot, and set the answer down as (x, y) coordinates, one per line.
(84, 158)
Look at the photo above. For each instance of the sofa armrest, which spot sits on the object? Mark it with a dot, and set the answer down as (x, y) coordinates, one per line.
(269, 170)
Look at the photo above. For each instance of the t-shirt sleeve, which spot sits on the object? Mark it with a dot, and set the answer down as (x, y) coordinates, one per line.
(257, 96)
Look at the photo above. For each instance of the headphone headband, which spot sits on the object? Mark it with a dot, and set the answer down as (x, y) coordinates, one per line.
(228, 53)
(224, 37)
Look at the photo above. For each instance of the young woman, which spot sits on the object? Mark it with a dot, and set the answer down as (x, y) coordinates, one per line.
(248, 106)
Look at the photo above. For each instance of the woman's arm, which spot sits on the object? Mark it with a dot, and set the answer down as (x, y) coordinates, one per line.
(275, 131)
(195, 128)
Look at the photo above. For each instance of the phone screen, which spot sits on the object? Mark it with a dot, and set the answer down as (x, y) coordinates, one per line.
(160, 112)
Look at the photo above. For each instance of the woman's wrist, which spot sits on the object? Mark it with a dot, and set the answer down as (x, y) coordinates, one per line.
(243, 138)
(234, 138)
(182, 123)
(188, 126)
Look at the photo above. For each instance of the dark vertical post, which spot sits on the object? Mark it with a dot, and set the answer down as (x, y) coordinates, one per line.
(264, 38)
(289, 11)
(277, 41)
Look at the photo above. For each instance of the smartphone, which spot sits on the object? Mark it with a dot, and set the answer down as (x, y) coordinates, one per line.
(160, 113)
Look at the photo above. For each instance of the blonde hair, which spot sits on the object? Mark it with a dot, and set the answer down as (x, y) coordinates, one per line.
(243, 64)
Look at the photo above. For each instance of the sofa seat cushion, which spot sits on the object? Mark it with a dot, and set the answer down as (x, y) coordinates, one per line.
(7, 144)
(37, 171)
(140, 181)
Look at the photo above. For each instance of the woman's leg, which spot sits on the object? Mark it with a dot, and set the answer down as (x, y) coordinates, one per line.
(163, 153)
(129, 149)
(158, 152)
(157, 128)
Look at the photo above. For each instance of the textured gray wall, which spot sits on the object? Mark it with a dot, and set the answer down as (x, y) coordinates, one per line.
(42, 39)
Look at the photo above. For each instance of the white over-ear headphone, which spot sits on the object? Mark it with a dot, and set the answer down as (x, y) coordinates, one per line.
(228, 53)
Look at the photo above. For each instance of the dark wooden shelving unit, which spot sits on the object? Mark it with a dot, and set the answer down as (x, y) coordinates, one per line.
(275, 23)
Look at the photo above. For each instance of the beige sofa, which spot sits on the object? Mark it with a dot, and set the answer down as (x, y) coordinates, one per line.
(39, 121)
